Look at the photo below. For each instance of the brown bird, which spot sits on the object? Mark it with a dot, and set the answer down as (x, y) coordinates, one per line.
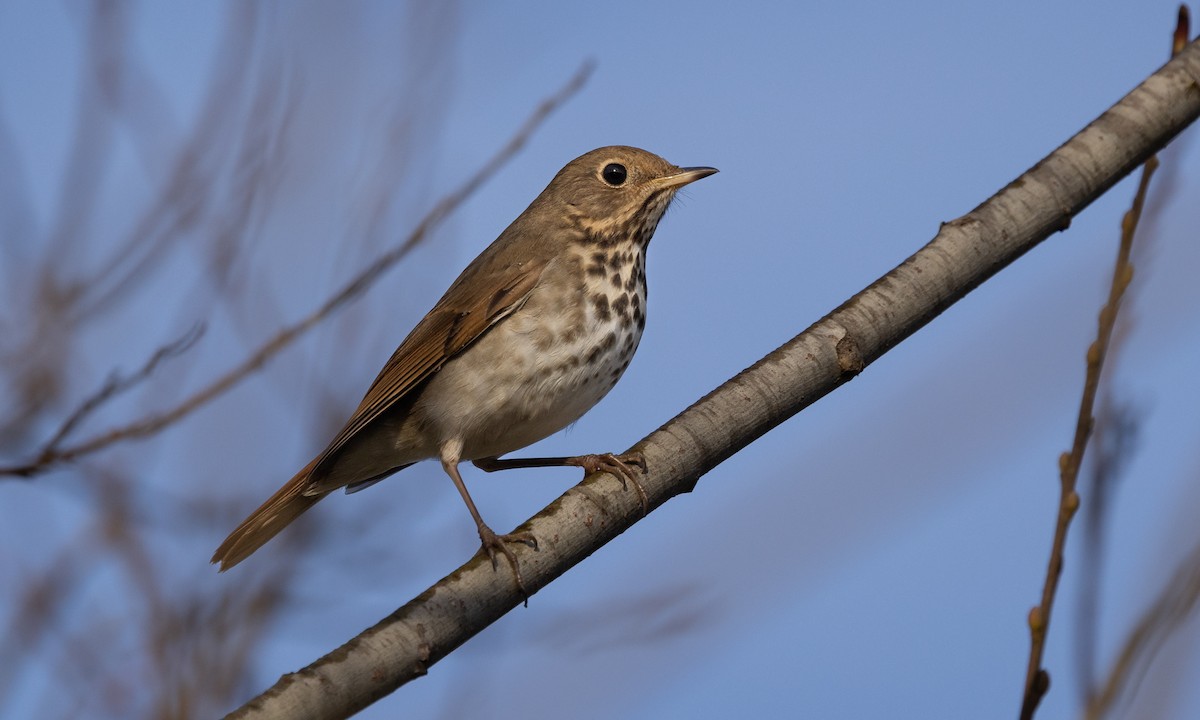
(532, 334)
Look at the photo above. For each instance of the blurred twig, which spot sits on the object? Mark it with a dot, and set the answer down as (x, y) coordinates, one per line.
(1176, 602)
(187, 190)
(79, 278)
(195, 647)
(355, 287)
(1113, 444)
(106, 615)
(113, 386)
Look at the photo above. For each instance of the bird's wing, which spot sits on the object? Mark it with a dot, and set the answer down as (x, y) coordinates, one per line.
(471, 306)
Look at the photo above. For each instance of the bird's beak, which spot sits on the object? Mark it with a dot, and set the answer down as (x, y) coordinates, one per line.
(685, 176)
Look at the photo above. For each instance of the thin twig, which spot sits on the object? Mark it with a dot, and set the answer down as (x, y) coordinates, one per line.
(360, 283)
(1037, 679)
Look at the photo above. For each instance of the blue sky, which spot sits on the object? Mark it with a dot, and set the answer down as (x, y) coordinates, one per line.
(873, 557)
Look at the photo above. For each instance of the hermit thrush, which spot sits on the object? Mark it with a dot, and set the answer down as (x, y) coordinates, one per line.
(530, 336)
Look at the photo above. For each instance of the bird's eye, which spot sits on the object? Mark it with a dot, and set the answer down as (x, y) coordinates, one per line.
(614, 174)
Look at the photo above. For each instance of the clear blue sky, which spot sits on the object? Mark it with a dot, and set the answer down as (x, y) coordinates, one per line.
(875, 556)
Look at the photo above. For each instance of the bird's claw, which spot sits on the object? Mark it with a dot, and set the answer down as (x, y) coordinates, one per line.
(493, 543)
(618, 465)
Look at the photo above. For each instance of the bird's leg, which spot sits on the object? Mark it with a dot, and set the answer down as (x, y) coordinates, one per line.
(618, 465)
(490, 540)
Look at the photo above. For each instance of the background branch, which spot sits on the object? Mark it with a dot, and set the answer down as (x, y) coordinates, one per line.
(1175, 603)
(54, 453)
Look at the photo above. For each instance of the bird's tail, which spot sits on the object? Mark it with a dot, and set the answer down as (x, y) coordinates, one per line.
(264, 523)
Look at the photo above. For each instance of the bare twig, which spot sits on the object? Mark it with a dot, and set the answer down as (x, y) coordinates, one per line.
(1037, 679)
(357, 285)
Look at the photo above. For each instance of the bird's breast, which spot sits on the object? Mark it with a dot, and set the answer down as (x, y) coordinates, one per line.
(545, 365)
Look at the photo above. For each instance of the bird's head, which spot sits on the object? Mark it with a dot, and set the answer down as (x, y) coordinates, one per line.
(619, 191)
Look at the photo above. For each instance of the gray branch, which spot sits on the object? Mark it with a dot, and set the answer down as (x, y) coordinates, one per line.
(964, 253)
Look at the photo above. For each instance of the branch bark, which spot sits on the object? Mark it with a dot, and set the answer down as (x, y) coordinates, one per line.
(964, 253)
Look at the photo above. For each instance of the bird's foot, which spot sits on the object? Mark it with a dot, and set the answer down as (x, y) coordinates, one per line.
(493, 544)
(618, 465)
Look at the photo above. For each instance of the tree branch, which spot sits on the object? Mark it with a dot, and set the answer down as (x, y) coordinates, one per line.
(964, 253)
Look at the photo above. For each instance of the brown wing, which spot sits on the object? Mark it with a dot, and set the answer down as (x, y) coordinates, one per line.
(475, 302)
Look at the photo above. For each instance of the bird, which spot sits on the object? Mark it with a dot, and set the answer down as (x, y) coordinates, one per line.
(529, 337)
